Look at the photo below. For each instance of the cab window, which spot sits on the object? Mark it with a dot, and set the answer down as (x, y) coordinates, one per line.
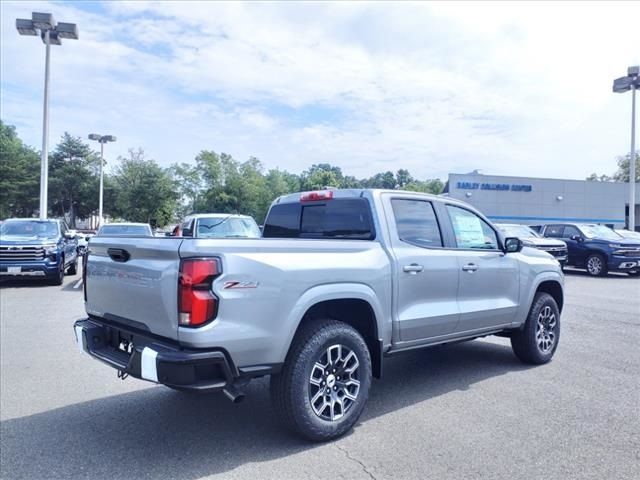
(470, 230)
(570, 231)
(416, 222)
(554, 231)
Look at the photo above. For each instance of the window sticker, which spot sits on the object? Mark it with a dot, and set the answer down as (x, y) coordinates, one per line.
(468, 230)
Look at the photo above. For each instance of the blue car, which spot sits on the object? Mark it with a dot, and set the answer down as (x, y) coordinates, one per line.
(597, 248)
(32, 248)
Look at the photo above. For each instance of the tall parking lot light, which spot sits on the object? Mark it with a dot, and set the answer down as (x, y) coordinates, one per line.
(51, 34)
(621, 85)
(102, 139)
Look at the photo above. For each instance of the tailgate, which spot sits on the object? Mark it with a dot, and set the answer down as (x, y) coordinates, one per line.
(135, 281)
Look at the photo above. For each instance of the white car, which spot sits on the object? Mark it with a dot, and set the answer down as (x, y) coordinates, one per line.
(219, 225)
(125, 229)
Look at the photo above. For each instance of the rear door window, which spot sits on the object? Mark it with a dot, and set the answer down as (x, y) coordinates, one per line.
(416, 222)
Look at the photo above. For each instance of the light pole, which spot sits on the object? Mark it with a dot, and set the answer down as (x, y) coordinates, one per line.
(51, 34)
(102, 139)
(621, 85)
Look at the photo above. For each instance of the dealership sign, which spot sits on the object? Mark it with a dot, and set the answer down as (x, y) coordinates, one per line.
(514, 187)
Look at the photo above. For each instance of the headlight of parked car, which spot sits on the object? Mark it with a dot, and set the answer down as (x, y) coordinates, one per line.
(50, 251)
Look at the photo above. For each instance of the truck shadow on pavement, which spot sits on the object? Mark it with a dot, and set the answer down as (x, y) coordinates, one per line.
(160, 433)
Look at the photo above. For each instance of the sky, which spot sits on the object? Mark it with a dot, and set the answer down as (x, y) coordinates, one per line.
(519, 89)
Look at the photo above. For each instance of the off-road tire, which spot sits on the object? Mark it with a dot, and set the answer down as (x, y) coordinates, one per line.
(291, 389)
(528, 344)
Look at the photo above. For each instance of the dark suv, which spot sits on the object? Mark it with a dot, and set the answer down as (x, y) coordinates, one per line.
(596, 248)
(37, 249)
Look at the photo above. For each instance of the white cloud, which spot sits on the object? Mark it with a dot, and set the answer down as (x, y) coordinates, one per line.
(435, 88)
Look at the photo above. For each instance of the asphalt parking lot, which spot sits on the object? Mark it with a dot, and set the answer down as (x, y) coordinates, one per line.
(463, 411)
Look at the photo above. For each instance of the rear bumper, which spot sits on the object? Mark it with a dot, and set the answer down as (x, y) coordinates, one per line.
(29, 269)
(147, 358)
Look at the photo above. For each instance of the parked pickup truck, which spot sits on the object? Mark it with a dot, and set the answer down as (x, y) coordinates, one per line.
(340, 280)
(596, 248)
(35, 248)
(531, 238)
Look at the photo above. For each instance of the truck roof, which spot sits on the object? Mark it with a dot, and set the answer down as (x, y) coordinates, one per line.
(349, 192)
(216, 215)
(32, 219)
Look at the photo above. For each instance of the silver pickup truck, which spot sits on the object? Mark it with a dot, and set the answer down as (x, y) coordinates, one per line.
(340, 280)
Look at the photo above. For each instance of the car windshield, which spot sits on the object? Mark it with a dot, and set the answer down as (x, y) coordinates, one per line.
(520, 231)
(599, 231)
(29, 228)
(227, 227)
(124, 230)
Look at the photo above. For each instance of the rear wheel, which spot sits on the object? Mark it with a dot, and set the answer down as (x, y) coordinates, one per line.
(537, 341)
(324, 384)
(635, 273)
(596, 265)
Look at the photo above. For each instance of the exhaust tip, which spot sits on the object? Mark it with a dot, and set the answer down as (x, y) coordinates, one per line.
(233, 394)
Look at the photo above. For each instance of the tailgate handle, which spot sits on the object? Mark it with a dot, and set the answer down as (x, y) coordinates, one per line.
(118, 254)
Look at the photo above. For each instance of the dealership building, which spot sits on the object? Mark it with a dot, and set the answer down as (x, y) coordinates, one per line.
(536, 201)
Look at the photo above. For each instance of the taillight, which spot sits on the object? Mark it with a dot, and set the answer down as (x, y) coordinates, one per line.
(318, 195)
(197, 304)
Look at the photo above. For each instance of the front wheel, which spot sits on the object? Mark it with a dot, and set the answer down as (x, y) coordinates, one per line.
(73, 268)
(596, 265)
(59, 277)
(537, 341)
(324, 384)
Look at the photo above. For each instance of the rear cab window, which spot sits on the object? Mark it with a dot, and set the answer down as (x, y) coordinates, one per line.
(338, 218)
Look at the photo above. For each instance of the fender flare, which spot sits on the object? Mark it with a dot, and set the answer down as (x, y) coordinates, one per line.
(547, 276)
(333, 291)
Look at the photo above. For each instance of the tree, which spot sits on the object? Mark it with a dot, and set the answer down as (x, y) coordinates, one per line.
(403, 178)
(188, 182)
(321, 175)
(19, 175)
(73, 180)
(145, 192)
(622, 174)
(385, 180)
(433, 186)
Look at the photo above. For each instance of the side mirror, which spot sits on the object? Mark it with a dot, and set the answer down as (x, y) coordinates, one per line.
(186, 232)
(577, 238)
(69, 236)
(512, 245)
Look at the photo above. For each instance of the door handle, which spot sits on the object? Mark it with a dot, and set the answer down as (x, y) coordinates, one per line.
(470, 267)
(413, 269)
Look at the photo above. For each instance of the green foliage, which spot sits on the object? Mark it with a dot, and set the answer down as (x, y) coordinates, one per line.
(73, 179)
(622, 174)
(143, 191)
(19, 175)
